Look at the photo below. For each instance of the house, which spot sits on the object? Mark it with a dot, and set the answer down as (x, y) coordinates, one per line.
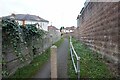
(54, 33)
(53, 28)
(23, 19)
(70, 29)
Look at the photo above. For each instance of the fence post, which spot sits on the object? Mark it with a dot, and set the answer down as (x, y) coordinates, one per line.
(54, 62)
(78, 67)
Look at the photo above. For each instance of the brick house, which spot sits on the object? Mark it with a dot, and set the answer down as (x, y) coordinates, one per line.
(70, 29)
(54, 32)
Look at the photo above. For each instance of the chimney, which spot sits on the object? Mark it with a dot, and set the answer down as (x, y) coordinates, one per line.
(12, 16)
(23, 23)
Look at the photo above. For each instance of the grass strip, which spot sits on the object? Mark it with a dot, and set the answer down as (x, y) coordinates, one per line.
(90, 65)
(31, 69)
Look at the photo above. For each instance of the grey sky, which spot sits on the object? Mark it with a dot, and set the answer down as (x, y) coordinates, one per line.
(59, 12)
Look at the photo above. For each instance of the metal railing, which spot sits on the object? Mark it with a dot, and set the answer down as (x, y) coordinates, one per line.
(73, 57)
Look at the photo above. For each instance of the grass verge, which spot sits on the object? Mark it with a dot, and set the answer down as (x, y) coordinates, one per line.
(90, 65)
(31, 69)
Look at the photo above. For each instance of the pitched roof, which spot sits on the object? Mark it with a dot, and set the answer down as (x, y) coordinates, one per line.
(52, 28)
(27, 17)
(70, 28)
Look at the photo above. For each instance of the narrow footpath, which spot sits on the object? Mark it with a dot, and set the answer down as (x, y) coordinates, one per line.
(62, 56)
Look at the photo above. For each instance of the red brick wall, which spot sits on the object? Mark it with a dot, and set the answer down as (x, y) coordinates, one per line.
(99, 28)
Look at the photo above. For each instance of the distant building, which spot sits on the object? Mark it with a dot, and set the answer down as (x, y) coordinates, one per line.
(54, 32)
(23, 19)
(53, 28)
(70, 29)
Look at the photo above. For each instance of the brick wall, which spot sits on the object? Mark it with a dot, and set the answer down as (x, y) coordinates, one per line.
(99, 28)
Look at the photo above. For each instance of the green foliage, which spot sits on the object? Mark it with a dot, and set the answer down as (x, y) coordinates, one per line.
(31, 31)
(90, 65)
(13, 34)
(31, 69)
(10, 28)
(61, 28)
(4, 70)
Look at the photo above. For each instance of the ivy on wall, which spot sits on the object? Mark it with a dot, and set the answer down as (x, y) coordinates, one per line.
(15, 34)
(30, 31)
(11, 33)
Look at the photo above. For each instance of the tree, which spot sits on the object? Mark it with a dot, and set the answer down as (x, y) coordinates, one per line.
(61, 28)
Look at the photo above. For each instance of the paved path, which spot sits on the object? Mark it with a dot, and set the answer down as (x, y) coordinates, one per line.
(44, 72)
(62, 59)
(62, 53)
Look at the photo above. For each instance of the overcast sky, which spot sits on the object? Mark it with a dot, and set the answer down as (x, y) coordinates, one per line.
(59, 12)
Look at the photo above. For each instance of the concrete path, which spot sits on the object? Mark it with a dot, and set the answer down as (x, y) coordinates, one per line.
(62, 54)
(44, 72)
(62, 57)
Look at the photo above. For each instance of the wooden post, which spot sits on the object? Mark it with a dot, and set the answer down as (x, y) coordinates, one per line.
(54, 62)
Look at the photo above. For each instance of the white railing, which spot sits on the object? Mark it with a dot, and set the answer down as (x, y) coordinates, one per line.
(73, 57)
